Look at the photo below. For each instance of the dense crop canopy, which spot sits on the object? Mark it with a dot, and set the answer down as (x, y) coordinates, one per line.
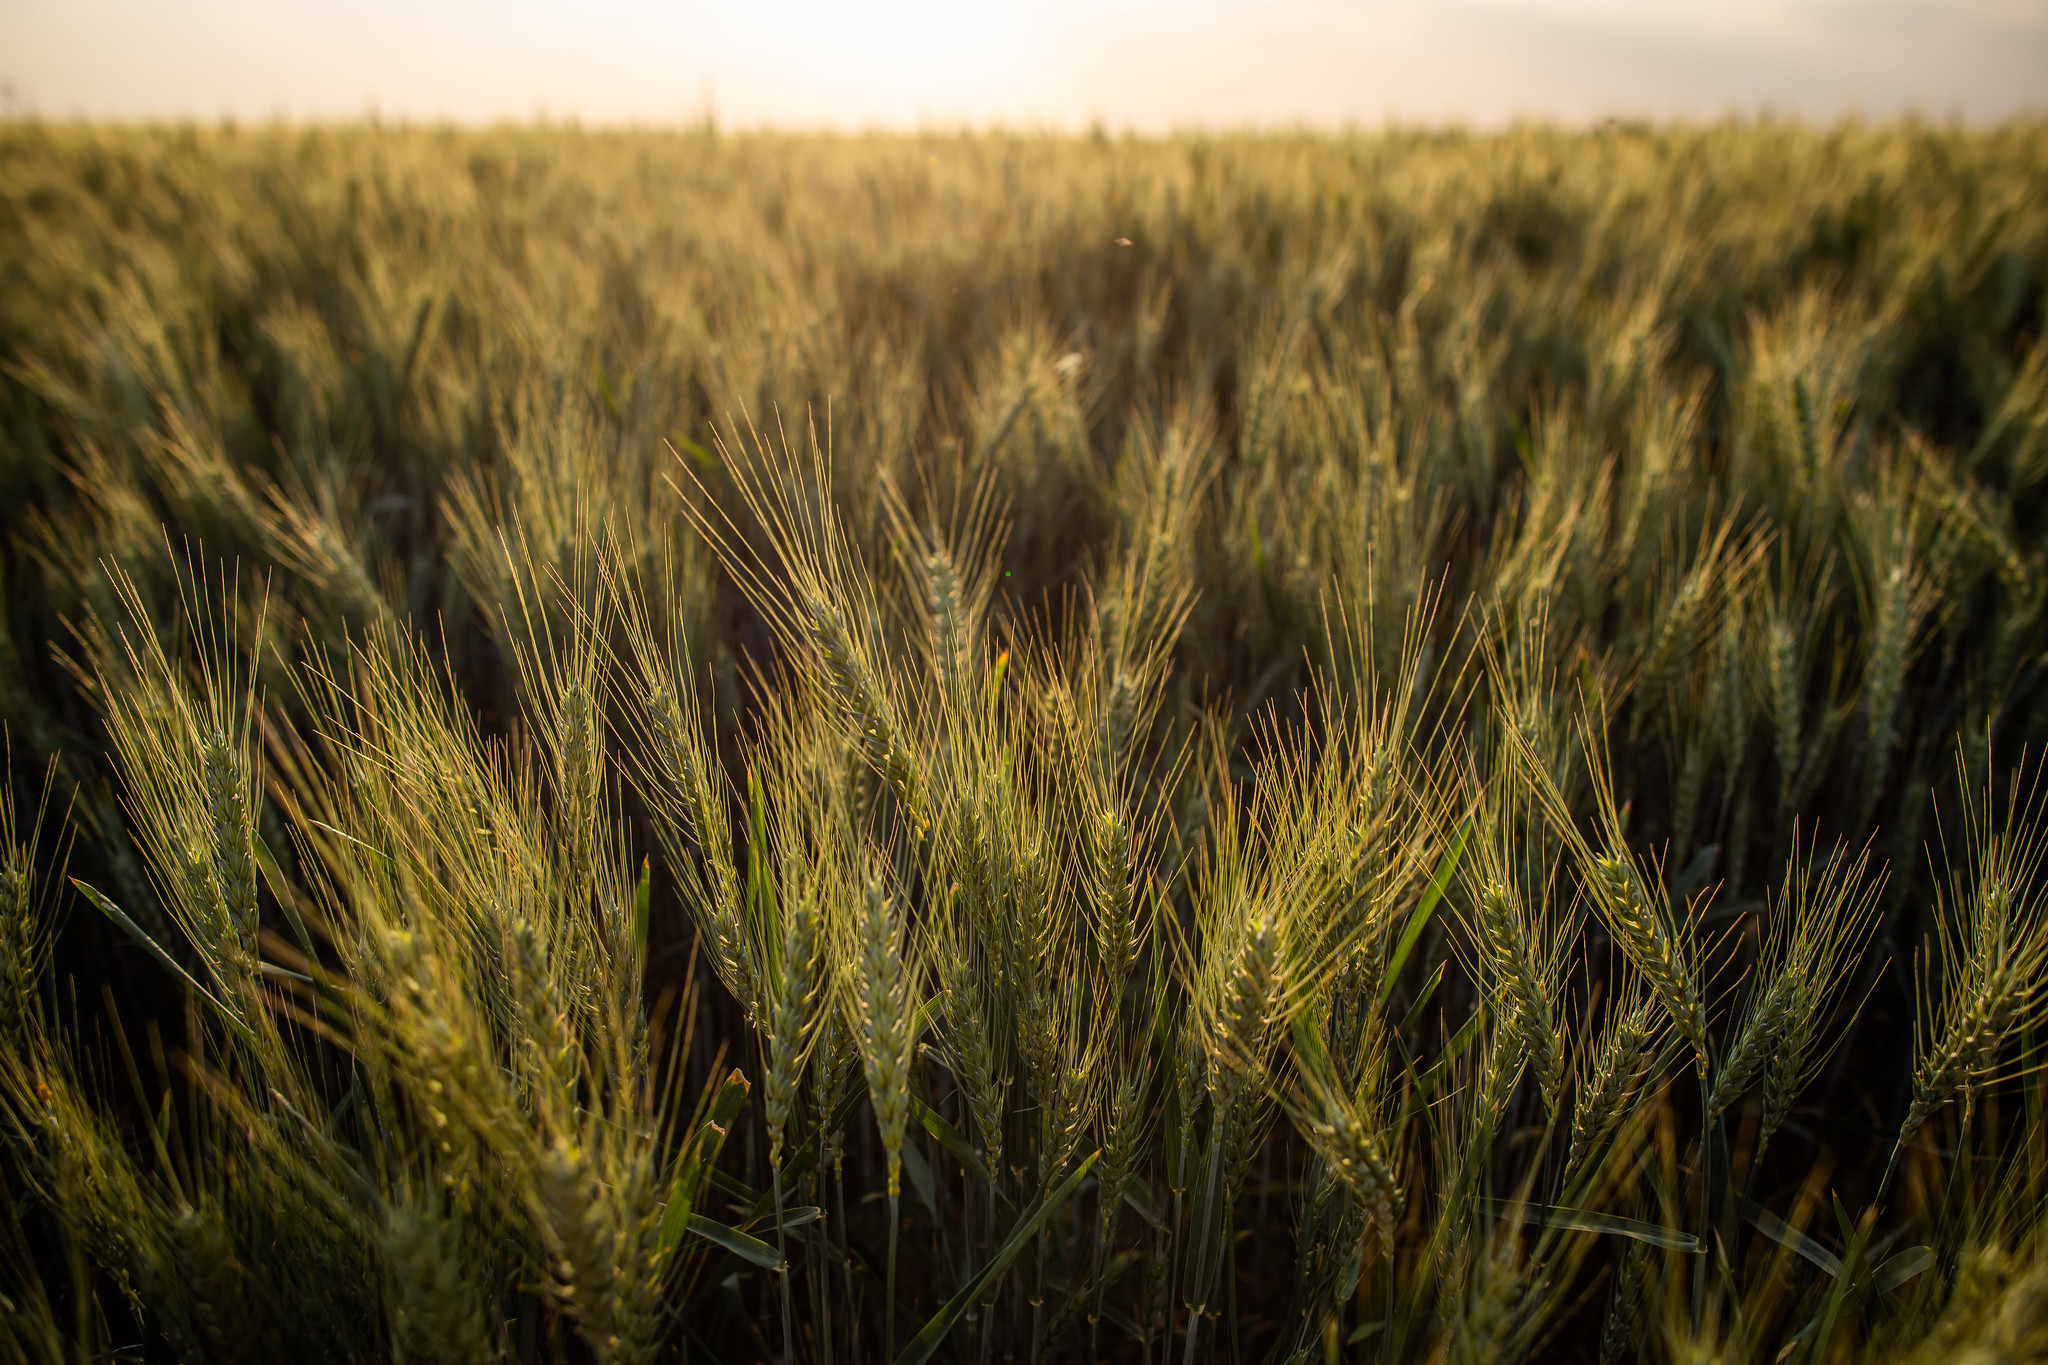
(660, 745)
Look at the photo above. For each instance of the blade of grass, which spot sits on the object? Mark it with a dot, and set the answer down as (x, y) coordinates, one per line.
(1789, 1237)
(705, 1145)
(949, 1137)
(737, 1242)
(1439, 881)
(1585, 1220)
(920, 1347)
(135, 931)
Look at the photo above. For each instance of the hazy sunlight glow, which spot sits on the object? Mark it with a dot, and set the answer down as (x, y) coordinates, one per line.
(1060, 63)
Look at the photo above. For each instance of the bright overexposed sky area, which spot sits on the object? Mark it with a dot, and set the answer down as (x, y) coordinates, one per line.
(1142, 64)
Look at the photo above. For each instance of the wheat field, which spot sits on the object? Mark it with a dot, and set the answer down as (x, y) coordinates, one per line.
(678, 745)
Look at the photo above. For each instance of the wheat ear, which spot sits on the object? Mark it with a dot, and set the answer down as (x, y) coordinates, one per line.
(1530, 1019)
(789, 1035)
(885, 1039)
(1624, 1306)
(1651, 944)
(1995, 964)
(1619, 1066)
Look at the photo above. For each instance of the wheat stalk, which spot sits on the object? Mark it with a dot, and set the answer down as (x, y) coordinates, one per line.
(25, 935)
(1821, 923)
(1619, 1065)
(791, 1031)
(435, 1310)
(1654, 948)
(969, 1042)
(18, 939)
(1111, 889)
(1623, 1305)
(1994, 952)
(185, 757)
(884, 1004)
(1529, 1017)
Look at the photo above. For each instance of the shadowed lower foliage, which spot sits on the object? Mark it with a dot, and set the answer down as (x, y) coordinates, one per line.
(673, 746)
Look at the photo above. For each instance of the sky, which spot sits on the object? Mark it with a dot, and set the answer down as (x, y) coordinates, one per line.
(1146, 65)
